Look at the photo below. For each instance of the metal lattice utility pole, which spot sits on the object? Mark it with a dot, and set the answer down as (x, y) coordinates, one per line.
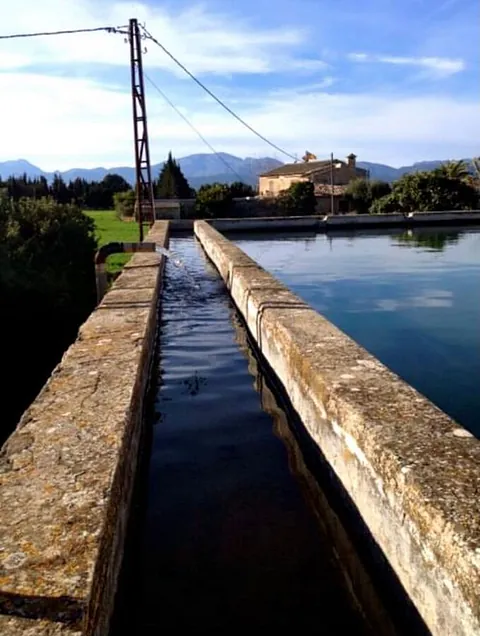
(144, 188)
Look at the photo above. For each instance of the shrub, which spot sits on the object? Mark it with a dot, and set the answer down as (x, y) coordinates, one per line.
(428, 191)
(47, 287)
(298, 199)
(361, 194)
(214, 201)
(124, 204)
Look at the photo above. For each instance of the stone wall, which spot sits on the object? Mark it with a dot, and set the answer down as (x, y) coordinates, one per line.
(67, 471)
(411, 472)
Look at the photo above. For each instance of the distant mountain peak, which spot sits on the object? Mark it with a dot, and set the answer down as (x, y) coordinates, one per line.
(204, 168)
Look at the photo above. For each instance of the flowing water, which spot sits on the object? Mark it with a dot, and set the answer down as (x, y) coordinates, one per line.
(176, 261)
(229, 541)
(410, 298)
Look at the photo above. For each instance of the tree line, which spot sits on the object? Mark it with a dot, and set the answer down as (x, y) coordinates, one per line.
(93, 195)
(47, 289)
(449, 187)
(211, 200)
(113, 191)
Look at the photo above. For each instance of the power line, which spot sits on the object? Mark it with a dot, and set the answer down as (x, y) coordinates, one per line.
(109, 29)
(195, 130)
(149, 36)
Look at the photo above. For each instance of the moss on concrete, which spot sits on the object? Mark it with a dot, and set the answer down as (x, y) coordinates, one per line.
(67, 471)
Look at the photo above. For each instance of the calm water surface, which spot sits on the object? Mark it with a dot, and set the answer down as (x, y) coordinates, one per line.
(229, 542)
(410, 298)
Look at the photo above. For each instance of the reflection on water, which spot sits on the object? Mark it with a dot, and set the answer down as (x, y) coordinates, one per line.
(333, 530)
(412, 298)
(432, 240)
(229, 543)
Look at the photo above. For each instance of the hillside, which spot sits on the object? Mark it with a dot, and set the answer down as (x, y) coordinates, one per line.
(206, 168)
(199, 169)
(387, 173)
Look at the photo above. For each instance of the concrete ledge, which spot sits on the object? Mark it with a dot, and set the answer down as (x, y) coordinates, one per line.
(67, 471)
(411, 471)
(416, 219)
(14, 626)
(327, 223)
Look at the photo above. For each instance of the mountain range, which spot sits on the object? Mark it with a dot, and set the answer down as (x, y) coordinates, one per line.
(198, 169)
(205, 168)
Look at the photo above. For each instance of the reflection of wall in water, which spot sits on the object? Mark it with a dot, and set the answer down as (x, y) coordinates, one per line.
(356, 579)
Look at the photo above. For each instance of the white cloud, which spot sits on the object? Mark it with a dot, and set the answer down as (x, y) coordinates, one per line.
(60, 122)
(205, 42)
(441, 66)
(66, 120)
(358, 57)
(430, 299)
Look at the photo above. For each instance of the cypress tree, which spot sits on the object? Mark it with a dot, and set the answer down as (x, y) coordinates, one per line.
(172, 183)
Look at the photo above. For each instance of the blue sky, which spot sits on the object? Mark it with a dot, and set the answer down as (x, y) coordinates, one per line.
(393, 81)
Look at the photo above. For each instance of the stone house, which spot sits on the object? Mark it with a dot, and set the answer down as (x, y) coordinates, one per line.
(317, 171)
(325, 201)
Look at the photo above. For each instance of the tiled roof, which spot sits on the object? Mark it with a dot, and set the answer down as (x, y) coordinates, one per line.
(325, 189)
(302, 167)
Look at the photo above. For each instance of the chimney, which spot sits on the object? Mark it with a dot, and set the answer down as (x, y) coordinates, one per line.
(352, 160)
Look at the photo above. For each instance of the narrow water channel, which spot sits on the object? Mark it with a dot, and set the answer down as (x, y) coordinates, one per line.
(228, 540)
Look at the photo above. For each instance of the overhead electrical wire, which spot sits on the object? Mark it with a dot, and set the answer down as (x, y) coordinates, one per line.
(109, 29)
(149, 36)
(195, 130)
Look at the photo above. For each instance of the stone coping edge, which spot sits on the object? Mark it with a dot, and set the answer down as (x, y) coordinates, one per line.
(411, 471)
(67, 471)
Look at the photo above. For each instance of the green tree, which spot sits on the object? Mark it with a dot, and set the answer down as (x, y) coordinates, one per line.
(99, 194)
(214, 201)
(115, 183)
(358, 195)
(240, 190)
(47, 287)
(59, 189)
(385, 205)
(299, 199)
(124, 203)
(379, 189)
(361, 193)
(427, 191)
(172, 183)
(454, 170)
(435, 241)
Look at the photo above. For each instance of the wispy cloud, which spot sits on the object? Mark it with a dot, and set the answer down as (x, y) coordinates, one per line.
(78, 122)
(205, 41)
(68, 103)
(441, 66)
(359, 57)
(430, 299)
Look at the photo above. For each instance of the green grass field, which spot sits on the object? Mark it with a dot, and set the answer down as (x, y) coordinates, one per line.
(109, 228)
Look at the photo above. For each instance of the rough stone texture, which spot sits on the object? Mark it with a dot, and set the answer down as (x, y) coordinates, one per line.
(66, 473)
(14, 626)
(412, 472)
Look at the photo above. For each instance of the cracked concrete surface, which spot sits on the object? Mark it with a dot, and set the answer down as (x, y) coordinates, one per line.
(67, 471)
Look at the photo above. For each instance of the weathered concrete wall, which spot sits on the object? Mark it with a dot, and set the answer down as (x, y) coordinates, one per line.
(342, 221)
(411, 472)
(67, 472)
(458, 217)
